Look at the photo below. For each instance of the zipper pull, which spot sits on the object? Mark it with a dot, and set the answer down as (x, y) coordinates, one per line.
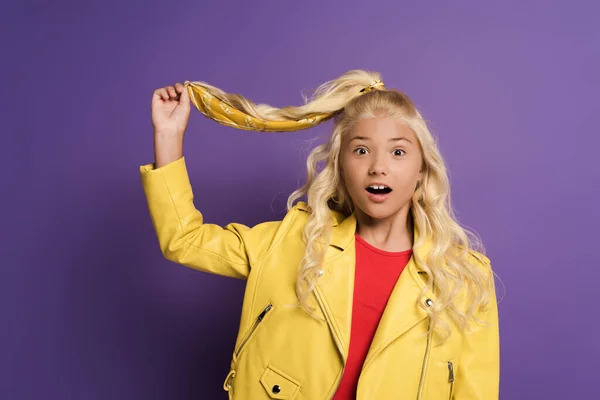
(264, 312)
(451, 372)
(229, 380)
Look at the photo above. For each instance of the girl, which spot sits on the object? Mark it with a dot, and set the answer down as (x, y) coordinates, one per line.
(370, 289)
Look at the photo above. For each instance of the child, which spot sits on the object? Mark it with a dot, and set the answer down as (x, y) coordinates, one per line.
(370, 289)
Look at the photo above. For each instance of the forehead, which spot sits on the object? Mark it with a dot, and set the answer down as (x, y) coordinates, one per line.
(381, 129)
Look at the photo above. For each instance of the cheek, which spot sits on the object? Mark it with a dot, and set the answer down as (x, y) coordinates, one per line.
(409, 171)
(346, 170)
(352, 182)
(407, 180)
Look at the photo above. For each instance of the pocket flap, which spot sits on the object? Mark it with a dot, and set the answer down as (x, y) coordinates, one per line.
(278, 384)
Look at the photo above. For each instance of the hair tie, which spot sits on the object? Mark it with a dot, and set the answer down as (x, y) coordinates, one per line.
(377, 85)
(220, 111)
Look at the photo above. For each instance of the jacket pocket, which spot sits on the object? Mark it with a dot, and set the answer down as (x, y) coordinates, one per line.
(451, 378)
(278, 384)
(259, 319)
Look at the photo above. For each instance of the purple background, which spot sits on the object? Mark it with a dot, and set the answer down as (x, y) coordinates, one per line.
(89, 307)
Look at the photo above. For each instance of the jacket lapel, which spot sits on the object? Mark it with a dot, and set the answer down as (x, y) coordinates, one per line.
(335, 290)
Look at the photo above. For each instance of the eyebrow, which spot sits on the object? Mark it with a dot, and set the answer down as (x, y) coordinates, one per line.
(396, 139)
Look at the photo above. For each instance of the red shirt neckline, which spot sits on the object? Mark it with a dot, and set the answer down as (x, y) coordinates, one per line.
(380, 251)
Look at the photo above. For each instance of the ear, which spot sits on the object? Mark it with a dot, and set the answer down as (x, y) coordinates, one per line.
(420, 177)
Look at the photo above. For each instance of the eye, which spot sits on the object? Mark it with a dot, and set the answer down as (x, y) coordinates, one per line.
(397, 150)
(359, 148)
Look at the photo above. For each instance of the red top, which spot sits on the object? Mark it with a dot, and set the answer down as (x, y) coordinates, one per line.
(376, 273)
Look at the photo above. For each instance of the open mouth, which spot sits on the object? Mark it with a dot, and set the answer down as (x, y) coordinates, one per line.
(378, 189)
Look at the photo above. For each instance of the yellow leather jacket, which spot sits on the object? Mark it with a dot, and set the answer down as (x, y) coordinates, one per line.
(283, 353)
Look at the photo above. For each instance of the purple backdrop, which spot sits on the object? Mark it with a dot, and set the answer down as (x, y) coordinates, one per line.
(89, 307)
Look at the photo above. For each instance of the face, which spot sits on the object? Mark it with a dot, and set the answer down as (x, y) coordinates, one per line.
(381, 152)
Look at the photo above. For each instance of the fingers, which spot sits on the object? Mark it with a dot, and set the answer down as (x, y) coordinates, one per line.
(169, 92)
(184, 98)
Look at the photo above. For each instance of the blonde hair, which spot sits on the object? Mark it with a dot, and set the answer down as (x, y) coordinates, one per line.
(448, 265)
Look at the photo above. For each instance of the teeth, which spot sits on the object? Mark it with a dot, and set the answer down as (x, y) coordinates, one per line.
(377, 187)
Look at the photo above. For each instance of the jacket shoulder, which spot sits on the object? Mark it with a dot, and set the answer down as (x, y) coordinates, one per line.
(296, 216)
(294, 219)
(480, 261)
(481, 258)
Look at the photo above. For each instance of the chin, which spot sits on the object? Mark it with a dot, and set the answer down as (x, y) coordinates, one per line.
(378, 211)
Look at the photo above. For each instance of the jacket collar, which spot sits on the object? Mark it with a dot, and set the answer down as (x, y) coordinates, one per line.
(344, 228)
(335, 289)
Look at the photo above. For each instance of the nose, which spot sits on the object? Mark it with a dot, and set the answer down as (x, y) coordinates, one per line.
(378, 165)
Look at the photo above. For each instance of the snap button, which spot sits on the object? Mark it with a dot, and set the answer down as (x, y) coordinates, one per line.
(428, 302)
(320, 272)
(279, 385)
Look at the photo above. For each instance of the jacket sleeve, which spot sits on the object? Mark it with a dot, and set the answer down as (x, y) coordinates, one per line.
(478, 374)
(183, 236)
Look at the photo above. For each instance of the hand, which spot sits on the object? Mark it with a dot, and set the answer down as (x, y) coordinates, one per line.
(170, 110)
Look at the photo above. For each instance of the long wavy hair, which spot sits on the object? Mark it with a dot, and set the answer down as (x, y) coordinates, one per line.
(449, 267)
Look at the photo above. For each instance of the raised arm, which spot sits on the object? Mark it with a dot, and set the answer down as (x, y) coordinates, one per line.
(182, 235)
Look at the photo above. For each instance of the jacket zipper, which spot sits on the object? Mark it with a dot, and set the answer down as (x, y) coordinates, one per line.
(227, 385)
(254, 326)
(450, 377)
(424, 361)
